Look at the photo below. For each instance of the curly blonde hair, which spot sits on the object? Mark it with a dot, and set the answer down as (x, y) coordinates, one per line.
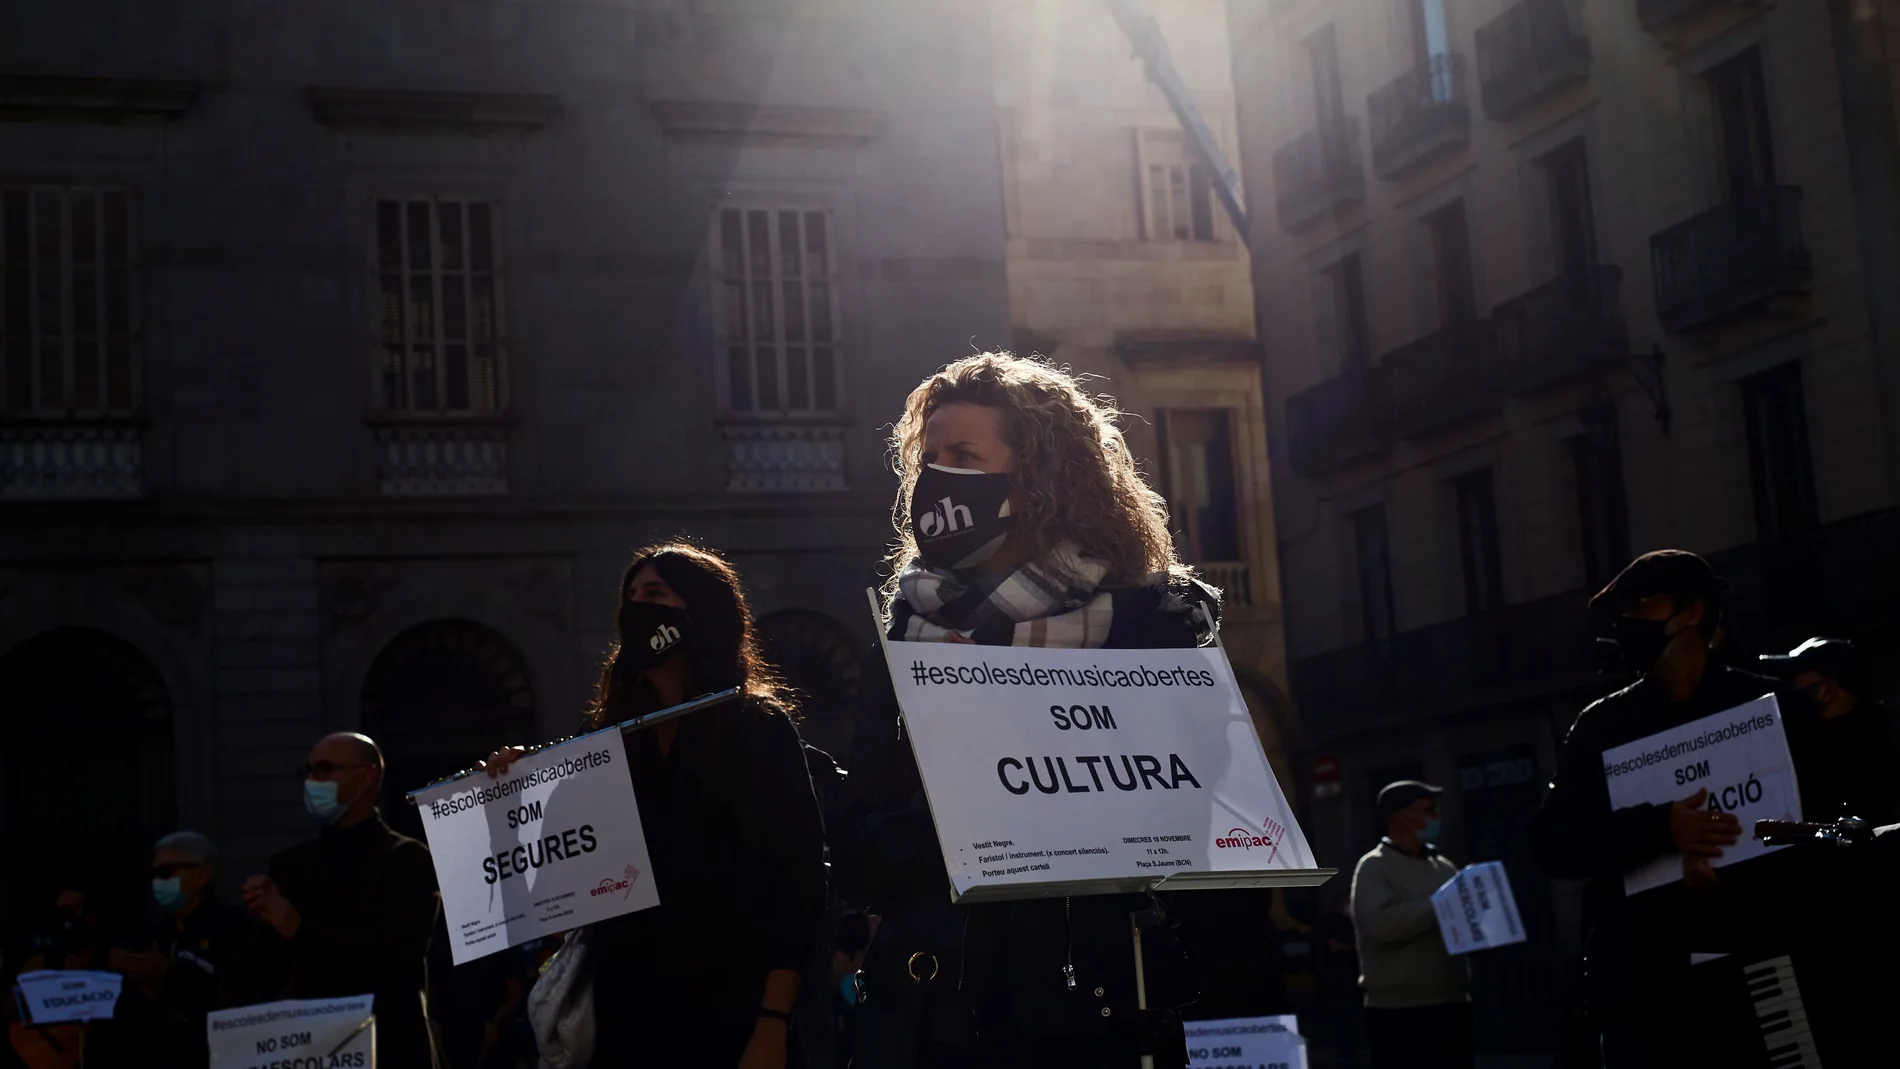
(1077, 479)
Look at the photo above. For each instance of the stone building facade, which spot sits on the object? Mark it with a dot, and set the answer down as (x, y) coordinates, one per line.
(347, 352)
(1123, 265)
(1548, 283)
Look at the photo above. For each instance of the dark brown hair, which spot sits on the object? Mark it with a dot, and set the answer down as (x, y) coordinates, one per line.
(725, 648)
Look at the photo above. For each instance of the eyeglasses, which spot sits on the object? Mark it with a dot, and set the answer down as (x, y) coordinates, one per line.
(166, 872)
(320, 770)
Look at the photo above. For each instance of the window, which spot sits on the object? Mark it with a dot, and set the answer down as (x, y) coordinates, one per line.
(1740, 96)
(1602, 514)
(1177, 194)
(1329, 100)
(1197, 465)
(1572, 222)
(1478, 542)
(778, 316)
(1451, 258)
(1349, 299)
(438, 287)
(1778, 456)
(1431, 40)
(1373, 556)
(67, 323)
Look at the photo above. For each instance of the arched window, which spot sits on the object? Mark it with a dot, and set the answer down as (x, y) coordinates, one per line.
(439, 697)
(820, 662)
(86, 777)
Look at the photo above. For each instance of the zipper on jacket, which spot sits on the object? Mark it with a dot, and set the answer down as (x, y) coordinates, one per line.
(1068, 967)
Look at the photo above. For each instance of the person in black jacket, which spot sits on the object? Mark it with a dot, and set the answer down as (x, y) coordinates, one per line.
(352, 911)
(1664, 610)
(1851, 767)
(1022, 521)
(710, 976)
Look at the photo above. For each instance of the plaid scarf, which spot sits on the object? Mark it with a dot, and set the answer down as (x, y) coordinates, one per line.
(1050, 601)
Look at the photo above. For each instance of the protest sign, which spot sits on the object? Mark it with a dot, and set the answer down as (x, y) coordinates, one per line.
(1476, 910)
(554, 844)
(1058, 771)
(1740, 756)
(325, 1033)
(1246, 1043)
(51, 996)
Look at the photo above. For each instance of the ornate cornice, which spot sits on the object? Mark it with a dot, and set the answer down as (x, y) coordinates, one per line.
(698, 120)
(412, 111)
(98, 101)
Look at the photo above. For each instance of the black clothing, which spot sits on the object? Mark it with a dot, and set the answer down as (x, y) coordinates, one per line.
(1420, 1037)
(737, 848)
(1000, 993)
(201, 947)
(1849, 764)
(1637, 949)
(368, 903)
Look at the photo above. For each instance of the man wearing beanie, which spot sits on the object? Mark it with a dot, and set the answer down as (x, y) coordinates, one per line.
(1417, 1012)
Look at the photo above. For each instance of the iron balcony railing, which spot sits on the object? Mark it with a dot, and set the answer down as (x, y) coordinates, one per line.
(1731, 258)
(1318, 172)
(1424, 112)
(1563, 329)
(1530, 52)
(1339, 420)
(1447, 376)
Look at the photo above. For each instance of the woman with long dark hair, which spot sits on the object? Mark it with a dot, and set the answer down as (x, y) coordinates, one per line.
(1021, 520)
(711, 975)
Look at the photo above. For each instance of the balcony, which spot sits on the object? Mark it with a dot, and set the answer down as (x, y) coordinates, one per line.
(1421, 115)
(71, 463)
(1318, 172)
(1339, 420)
(1232, 578)
(1542, 645)
(1444, 378)
(1730, 259)
(445, 459)
(1662, 14)
(1561, 331)
(792, 458)
(1528, 53)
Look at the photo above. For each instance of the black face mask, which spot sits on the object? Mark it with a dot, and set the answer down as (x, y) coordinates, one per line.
(959, 517)
(651, 634)
(1641, 642)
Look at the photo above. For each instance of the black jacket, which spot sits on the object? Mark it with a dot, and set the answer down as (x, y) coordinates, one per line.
(1003, 962)
(368, 902)
(202, 947)
(737, 847)
(1637, 949)
(1849, 764)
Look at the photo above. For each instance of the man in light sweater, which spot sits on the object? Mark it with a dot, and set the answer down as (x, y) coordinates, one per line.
(1417, 1012)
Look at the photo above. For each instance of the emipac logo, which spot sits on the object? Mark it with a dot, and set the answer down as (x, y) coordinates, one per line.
(1268, 838)
(945, 517)
(664, 637)
(622, 883)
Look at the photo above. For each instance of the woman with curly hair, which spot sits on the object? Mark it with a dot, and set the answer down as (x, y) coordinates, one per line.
(1021, 520)
(711, 975)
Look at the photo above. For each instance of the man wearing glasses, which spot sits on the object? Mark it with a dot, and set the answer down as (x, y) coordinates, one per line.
(351, 912)
(185, 970)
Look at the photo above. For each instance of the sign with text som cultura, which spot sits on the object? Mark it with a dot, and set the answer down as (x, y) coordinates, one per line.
(1053, 771)
(554, 844)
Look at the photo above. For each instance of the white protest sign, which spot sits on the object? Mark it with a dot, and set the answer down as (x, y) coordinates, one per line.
(554, 844)
(325, 1033)
(1740, 756)
(1477, 911)
(1246, 1043)
(54, 995)
(1055, 771)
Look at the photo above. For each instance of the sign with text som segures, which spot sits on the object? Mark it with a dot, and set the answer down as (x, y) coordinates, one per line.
(1055, 771)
